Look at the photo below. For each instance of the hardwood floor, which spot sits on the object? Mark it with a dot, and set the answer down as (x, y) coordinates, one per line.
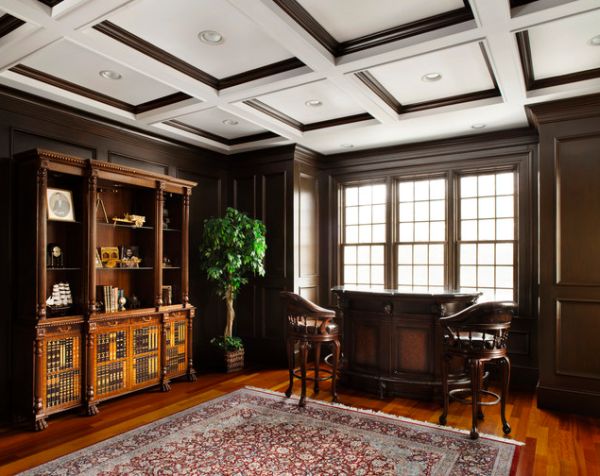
(556, 443)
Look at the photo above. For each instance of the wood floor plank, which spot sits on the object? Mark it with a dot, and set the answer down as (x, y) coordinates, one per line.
(556, 443)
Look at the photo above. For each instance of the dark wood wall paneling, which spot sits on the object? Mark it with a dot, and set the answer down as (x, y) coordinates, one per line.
(27, 122)
(570, 256)
(512, 148)
(261, 184)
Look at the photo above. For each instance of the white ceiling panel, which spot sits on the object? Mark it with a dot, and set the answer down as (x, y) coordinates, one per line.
(563, 46)
(350, 19)
(463, 70)
(80, 66)
(211, 120)
(292, 102)
(174, 26)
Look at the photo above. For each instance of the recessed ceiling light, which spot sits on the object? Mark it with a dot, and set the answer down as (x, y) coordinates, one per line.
(431, 77)
(313, 103)
(595, 41)
(108, 74)
(211, 37)
(346, 146)
(479, 125)
(230, 122)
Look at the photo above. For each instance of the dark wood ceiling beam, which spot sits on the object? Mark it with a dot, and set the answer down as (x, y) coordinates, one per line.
(529, 75)
(217, 138)
(301, 16)
(9, 23)
(95, 95)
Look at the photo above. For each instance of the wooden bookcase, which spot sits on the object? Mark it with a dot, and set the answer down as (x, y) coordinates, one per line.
(91, 351)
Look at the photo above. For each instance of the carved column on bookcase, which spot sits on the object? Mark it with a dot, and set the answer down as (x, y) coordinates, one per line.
(38, 399)
(90, 352)
(191, 373)
(42, 191)
(90, 265)
(158, 243)
(185, 253)
(166, 331)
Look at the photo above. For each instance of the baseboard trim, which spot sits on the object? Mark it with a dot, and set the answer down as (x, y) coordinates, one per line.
(572, 401)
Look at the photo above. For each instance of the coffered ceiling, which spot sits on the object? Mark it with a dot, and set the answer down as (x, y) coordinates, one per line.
(235, 75)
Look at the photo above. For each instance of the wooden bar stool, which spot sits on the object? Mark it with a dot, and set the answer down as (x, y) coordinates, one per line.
(478, 334)
(310, 326)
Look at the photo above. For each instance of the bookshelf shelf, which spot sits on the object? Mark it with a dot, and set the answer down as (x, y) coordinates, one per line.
(87, 355)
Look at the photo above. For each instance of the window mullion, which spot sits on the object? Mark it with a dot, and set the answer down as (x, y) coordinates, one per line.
(390, 255)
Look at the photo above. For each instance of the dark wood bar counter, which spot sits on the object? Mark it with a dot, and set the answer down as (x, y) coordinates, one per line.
(392, 340)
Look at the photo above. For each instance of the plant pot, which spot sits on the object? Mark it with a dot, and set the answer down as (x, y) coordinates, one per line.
(234, 360)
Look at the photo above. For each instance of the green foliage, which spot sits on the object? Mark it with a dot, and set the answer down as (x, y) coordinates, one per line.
(231, 248)
(227, 343)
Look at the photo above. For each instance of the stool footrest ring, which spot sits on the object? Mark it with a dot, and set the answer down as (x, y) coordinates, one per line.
(297, 373)
(454, 395)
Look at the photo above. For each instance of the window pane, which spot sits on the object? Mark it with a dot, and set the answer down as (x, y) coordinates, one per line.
(364, 233)
(487, 263)
(350, 274)
(420, 254)
(468, 208)
(422, 231)
(468, 187)
(505, 207)
(436, 276)
(351, 196)
(504, 276)
(363, 274)
(436, 254)
(364, 214)
(405, 254)
(406, 232)
(377, 256)
(350, 255)
(422, 190)
(437, 210)
(406, 191)
(437, 231)
(377, 274)
(379, 194)
(486, 185)
(504, 253)
(505, 183)
(364, 255)
(378, 233)
(486, 207)
(406, 211)
(421, 211)
(506, 229)
(420, 275)
(351, 215)
(404, 274)
(485, 253)
(437, 189)
(468, 230)
(364, 195)
(468, 254)
(468, 276)
(486, 229)
(351, 234)
(378, 214)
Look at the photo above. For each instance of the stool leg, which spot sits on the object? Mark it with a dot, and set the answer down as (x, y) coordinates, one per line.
(317, 363)
(480, 414)
(475, 379)
(445, 389)
(303, 359)
(291, 366)
(334, 369)
(505, 381)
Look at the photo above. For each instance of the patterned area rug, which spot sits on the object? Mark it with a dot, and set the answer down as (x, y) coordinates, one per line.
(258, 432)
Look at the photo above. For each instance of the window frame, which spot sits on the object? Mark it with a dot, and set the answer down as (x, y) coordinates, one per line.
(452, 168)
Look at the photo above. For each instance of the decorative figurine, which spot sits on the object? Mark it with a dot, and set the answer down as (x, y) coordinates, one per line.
(55, 256)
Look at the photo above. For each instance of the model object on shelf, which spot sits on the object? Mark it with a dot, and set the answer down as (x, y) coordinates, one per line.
(55, 256)
(61, 299)
(137, 221)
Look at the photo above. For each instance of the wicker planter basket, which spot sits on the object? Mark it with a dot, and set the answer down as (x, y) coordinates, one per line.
(234, 360)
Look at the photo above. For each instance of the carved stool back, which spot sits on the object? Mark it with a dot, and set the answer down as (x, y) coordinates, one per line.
(309, 325)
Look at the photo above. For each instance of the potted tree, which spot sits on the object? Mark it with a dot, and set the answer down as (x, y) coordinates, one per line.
(232, 247)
